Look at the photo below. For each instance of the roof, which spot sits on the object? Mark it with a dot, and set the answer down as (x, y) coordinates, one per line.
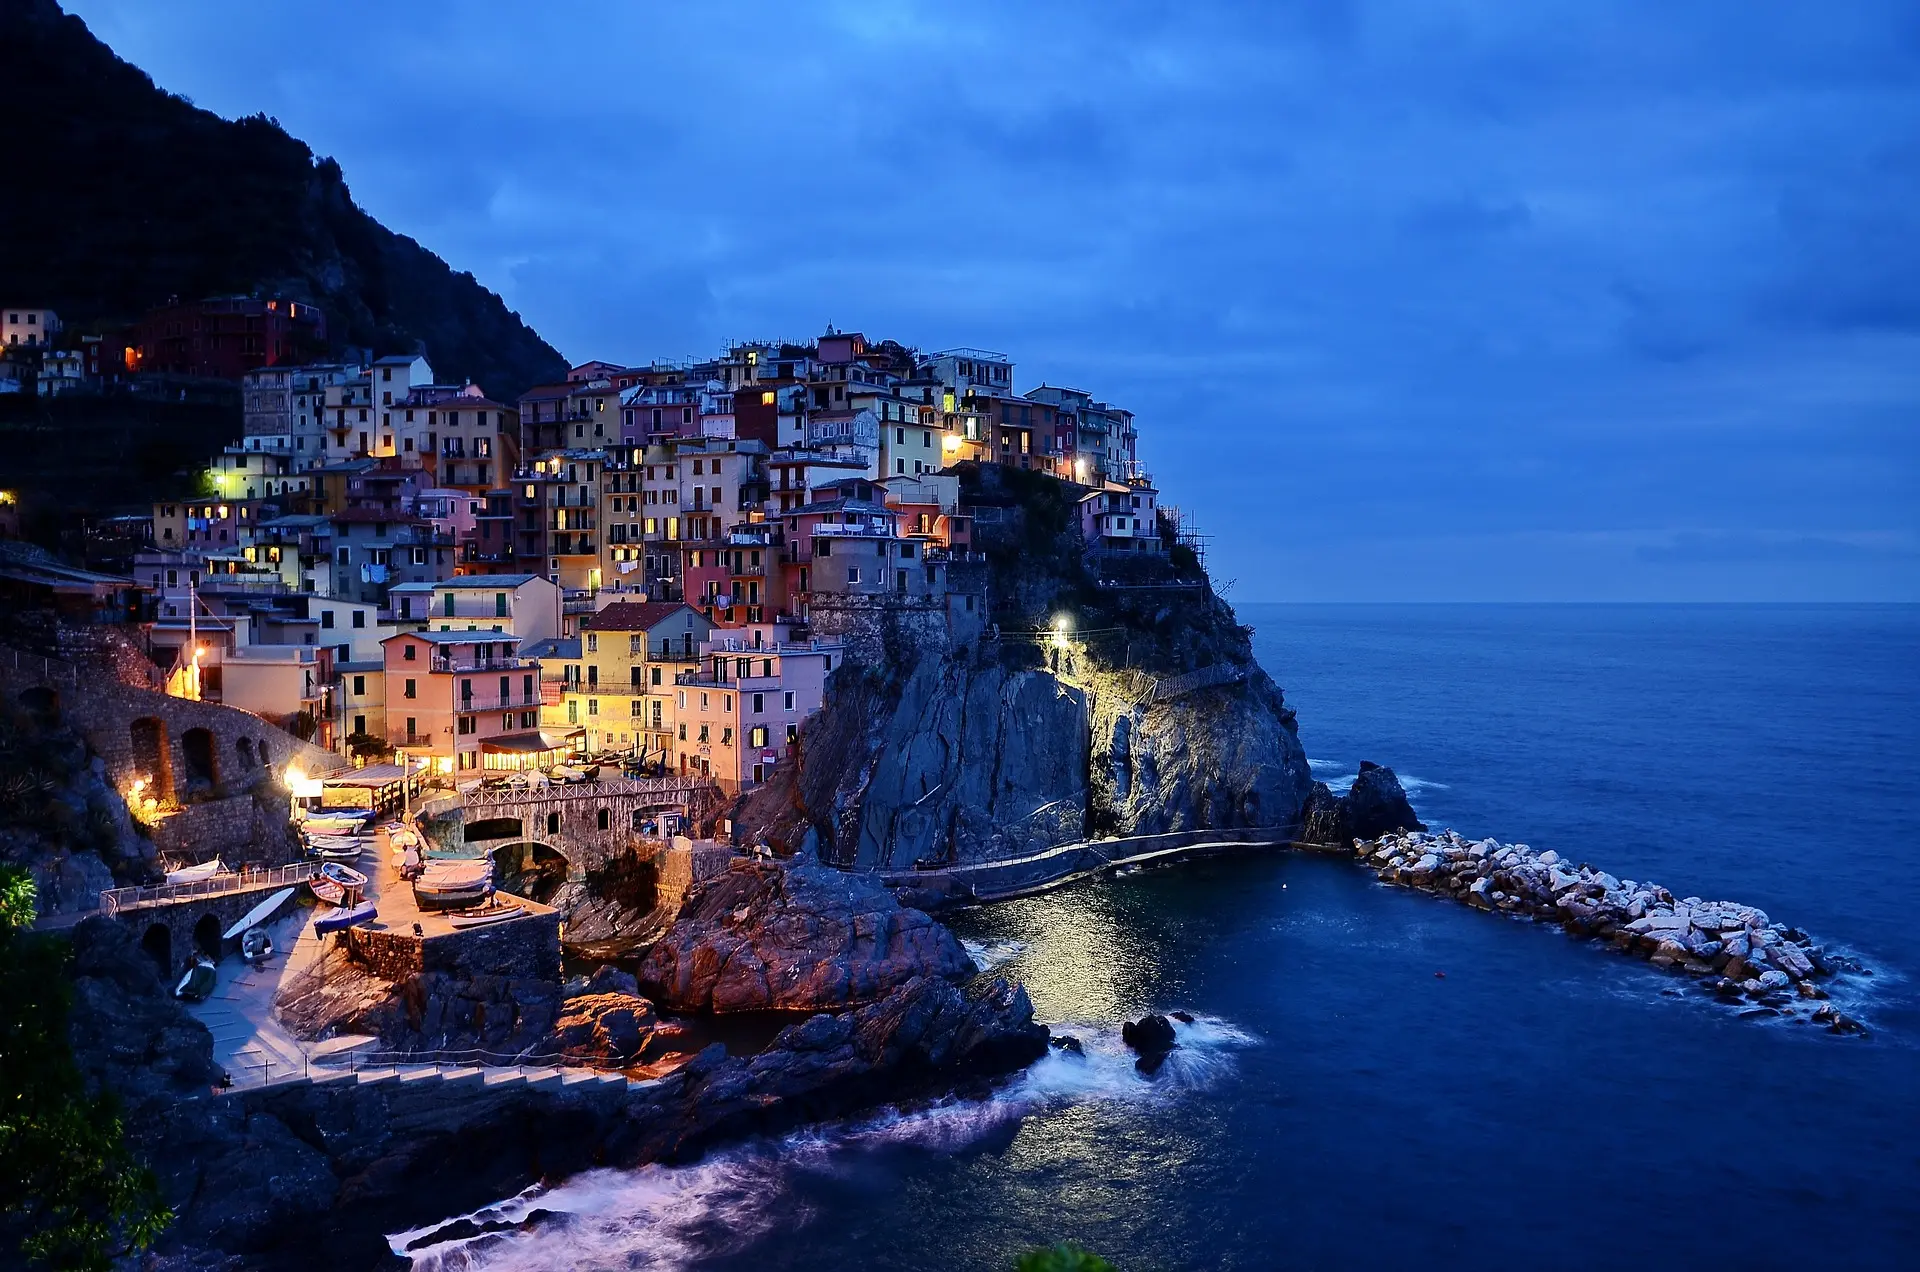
(396, 360)
(530, 743)
(555, 647)
(471, 582)
(487, 637)
(632, 616)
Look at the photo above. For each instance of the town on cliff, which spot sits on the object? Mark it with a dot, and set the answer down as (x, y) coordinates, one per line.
(485, 757)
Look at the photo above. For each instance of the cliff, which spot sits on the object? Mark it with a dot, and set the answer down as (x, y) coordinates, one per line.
(1146, 714)
(129, 195)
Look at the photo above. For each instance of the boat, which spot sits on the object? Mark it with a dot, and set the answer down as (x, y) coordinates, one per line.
(340, 920)
(491, 913)
(331, 848)
(197, 983)
(256, 944)
(446, 884)
(334, 882)
(259, 914)
(195, 874)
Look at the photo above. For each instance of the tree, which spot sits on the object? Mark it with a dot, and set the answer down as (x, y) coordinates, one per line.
(1064, 1257)
(303, 726)
(71, 1193)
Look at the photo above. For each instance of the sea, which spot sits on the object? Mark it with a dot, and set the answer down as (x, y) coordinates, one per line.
(1378, 1079)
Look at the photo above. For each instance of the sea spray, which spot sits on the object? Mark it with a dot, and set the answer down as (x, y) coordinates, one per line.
(666, 1217)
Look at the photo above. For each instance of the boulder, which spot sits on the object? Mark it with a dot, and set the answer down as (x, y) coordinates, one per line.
(772, 936)
(614, 1028)
(1150, 1035)
(1378, 804)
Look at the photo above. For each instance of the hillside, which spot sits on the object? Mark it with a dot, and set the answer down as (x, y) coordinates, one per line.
(120, 195)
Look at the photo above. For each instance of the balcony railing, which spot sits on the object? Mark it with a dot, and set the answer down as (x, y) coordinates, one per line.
(497, 701)
(480, 666)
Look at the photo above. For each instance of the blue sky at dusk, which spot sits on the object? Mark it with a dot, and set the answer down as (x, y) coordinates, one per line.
(1435, 300)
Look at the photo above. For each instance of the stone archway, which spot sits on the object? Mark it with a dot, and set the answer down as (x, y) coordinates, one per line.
(530, 869)
(157, 944)
(206, 936)
(41, 700)
(152, 757)
(202, 757)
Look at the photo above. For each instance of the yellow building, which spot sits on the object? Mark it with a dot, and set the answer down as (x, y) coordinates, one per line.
(616, 679)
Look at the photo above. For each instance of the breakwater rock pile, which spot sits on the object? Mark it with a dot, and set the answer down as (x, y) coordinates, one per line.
(1736, 948)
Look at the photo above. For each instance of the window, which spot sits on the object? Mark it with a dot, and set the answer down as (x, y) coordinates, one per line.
(412, 730)
(758, 736)
(853, 574)
(793, 734)
(593, 706)
(408, 651)
(360, 618)
(446, 605)
(593, 643)
(789, 700)
(326, 618)
(759, 702)
(656, 675)
(466, 724)
(409, 690)
(359, 724)
(704, 732)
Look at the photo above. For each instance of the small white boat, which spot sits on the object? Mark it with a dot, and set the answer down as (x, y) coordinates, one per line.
(256, 944)
(195, 874)
(450, 883)
(485, 914)
(340, 920)
(259, 914)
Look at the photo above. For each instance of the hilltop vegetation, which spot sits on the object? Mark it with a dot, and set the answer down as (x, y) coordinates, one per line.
(120, 195)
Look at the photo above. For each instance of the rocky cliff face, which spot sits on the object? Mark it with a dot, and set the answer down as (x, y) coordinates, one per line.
(993, 753)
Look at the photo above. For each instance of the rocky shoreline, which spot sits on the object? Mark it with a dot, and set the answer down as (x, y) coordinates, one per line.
(1732, 948)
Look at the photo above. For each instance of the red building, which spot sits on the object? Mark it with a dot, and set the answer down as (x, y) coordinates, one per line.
(227, 336)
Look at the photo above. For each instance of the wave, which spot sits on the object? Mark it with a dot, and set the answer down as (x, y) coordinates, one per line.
(1341, 783)
(989, 955)
(657, 1218)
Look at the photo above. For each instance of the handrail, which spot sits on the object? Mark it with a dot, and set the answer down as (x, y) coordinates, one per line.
(608, 787)
(115, 900)
(355, 1059)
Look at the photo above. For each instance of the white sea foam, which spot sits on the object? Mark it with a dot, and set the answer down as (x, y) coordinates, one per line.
(988, 955)
(1341, 783)
(657, 1218)
(1313, 763)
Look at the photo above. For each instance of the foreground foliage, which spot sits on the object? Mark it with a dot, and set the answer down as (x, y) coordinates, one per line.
(71, 1194)
(1064, 1257)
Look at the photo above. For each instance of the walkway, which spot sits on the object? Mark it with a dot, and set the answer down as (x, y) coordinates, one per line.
(120, 900)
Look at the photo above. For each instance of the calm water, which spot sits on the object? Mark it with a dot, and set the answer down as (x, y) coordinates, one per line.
(1339, 1105)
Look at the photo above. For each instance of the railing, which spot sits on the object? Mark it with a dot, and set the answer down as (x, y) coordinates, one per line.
(611, 788)
(358, 1060)
(115, 900)
(496, 701)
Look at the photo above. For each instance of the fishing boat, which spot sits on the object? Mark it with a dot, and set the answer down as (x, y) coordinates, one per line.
(335, 881)
(335, 848)
(490, 913)
(255, 945)
(195, 874)
(197, 983)
(445, 884)
(342, 919)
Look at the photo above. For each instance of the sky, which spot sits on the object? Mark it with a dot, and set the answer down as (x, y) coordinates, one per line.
(1415, 301)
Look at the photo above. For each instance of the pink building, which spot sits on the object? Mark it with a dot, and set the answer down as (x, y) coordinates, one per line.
(741, 711)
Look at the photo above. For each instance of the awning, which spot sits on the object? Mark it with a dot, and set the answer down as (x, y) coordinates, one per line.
(532, 742)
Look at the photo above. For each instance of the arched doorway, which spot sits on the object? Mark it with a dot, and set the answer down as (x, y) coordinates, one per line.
(531, 870)
(42, 701)
(243, 747)
(203, 761)
(157, 943)
(152, 758)
(206, 935)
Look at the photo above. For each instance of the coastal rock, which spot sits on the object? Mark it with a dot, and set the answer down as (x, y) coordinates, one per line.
(769, 936)
(606, 1027)
(1378, 804)
(1733, 946)
(1150, 1035)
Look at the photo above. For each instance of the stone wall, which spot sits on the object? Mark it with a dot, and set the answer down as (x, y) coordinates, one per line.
(683, 864)
(879, 629)
(253, 827)
(176, 744)
(181, 923)
(526, 947)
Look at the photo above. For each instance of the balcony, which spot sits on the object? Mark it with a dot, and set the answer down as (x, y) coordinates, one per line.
(479, 667)
(497, 701)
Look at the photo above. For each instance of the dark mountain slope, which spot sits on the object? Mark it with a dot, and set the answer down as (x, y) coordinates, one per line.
(119, 195)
